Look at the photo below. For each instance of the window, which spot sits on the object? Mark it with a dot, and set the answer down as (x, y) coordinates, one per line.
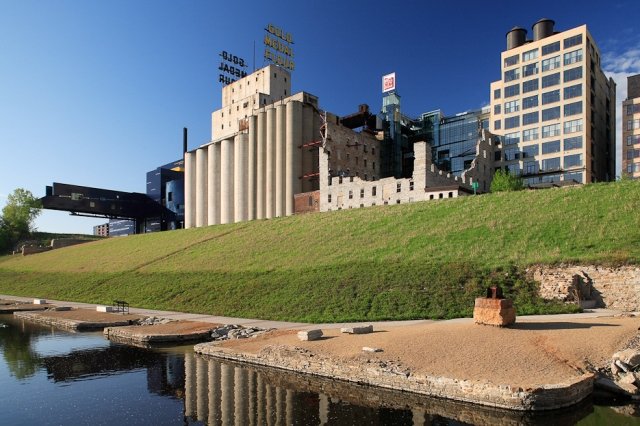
(550, 97)
(573, 91)
(510, 91)
(530, 118)
(530, 85)
(573, 57)
(529, 70)
(373, 191)
(573, 126)
(530, 102)
(510, 61)
(496, 109)
(573, 109)
(573, 41)
(549, 147)
(550, 130)
(329, 198)
(310, 201)
(530, 135)
(551, 164)
(573, 143)
(511, 154)
(632, 109)
(398, 187)
(530, 55)
(550, 48)
(410, 185)
(511, 106)
(531, 167)
(551, 63)
(551, 80)
(574, 160)
(550, 113)
(511, 75)
(529, 151)
(497, 124)
(572, 74)
(362, 193)
(511, 138)
(496, 94)
(511, 122)
(633, 124)
(633, 139)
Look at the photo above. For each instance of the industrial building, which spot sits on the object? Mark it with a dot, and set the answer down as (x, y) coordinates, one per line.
(631, 129)
(554, 107)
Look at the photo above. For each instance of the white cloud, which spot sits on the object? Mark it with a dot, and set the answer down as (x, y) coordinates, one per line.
(619, 66)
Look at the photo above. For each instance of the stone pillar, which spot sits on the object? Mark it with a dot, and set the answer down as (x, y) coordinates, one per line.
(252, 407)
(420, 165)
(261, 400)
(281, 114)
(189, 385)
(323, 409)
(240, 397)
(201, 187)
(214, 393)
(418, 417)
(251, 168)
(289, 407)
(308, 135)
(293, 154)
(202, 375)
(270, 164)
(261, 163)
(226, 388)
(226, 181)
(240, 177)
(269, 405)
(189, 190)
(213, 186)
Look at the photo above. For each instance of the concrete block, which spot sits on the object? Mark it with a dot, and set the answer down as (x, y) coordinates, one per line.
(62, 308)
(104, 308)
(39, 301)
(368, 349)
(310, 334)
(498, 312)
(365, 329)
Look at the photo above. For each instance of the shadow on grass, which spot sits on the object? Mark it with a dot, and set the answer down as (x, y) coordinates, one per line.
(557, 325)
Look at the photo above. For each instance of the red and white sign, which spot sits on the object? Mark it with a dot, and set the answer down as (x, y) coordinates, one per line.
(389, 82)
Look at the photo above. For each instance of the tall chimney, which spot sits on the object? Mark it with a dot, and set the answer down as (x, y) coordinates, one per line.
(184, 141)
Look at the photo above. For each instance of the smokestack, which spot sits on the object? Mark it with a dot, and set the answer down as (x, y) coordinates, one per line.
(184, 140)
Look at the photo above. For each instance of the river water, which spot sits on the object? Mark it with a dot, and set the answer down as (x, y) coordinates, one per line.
(54, 377)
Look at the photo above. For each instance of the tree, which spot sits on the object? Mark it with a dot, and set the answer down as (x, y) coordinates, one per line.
(505, 181)
(19, 214)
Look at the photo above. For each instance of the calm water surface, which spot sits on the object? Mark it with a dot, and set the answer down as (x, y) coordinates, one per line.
(54, 377)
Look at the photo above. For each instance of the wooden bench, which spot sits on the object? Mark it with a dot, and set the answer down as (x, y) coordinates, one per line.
(121, 306)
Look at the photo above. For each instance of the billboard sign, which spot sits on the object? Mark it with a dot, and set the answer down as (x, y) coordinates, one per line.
(231, 68)
(278, 47)
(389, 82)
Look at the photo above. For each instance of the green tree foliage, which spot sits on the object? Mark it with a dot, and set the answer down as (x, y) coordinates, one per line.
(18, 217)
(505, 181)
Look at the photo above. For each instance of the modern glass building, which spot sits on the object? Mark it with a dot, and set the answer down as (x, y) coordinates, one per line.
(554, 107)
(165, 185)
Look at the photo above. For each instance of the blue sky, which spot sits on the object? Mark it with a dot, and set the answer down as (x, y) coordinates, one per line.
(96, 93)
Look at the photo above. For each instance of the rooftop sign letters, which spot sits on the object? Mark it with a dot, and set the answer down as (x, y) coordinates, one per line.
(389, 82)
(277, 47)
(231, 68)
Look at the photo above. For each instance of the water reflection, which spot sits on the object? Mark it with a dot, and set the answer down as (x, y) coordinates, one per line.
(45, 368)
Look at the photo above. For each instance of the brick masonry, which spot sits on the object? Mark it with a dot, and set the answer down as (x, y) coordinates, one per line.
(610, 287)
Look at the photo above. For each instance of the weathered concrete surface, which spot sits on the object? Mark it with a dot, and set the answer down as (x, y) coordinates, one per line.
(79, 319)
(310, 335)
(11, 306)
(175, 331)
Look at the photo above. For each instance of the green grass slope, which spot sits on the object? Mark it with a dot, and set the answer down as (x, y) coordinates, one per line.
(415, 260)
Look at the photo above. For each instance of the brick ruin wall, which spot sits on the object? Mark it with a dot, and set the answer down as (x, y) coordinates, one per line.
(610, 287)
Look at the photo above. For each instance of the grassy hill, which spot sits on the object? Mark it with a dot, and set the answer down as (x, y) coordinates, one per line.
(417, 260)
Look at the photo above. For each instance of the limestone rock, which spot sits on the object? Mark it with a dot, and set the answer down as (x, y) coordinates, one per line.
(630, 357)
(498, 312)
(365, 329)
(368, 349)
(310, 334)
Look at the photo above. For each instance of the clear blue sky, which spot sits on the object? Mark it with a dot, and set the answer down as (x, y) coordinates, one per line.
(96, 93)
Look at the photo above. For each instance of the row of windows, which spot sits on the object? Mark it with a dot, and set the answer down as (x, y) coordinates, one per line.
(532, 101)
(571, 126)
(546, 50)
(633, 153)
(546, 165)
(547, 65)
(633, 139)
(633, 109)
(374, 191)
(550, 147)
(548, 114)
(633, 124)
(546, 81)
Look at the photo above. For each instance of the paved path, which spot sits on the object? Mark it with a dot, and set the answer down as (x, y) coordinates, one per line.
(590, 313)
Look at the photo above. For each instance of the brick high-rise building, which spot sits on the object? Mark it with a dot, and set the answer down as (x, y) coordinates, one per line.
(631, 129)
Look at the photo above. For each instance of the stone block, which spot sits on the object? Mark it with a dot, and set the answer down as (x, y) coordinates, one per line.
(104, 308)
(498, 312)
(368, 349)
(310, 334)
(39, 301)
(630, 357)
(365, 329)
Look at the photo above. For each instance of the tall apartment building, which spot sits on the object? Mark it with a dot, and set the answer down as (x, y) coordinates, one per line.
(631, 128)
(554, 107)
